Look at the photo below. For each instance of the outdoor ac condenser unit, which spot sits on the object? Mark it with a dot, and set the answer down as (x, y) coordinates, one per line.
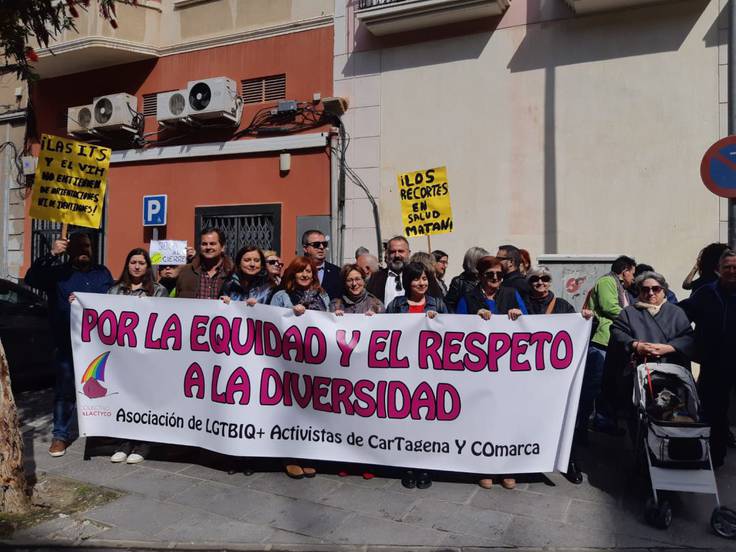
(79, 120)
(116, 111)
(215, 98)
(172, 107)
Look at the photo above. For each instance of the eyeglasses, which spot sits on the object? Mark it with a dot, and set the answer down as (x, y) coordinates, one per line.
(535, 279)
(646, 289)
(493, 275)
(319, 244)
(353, 281)
(275, 262)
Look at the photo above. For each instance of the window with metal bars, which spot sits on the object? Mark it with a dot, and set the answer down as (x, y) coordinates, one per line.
(149, 104)
(258, 225)
(264, 89)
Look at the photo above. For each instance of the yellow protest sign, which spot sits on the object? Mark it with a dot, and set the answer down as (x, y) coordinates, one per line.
(425, 202)
(70, 182)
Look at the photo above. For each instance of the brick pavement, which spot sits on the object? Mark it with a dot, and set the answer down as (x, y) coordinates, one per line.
(185, 499)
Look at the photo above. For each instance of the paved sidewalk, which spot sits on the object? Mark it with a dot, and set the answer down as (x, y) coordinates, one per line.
(186, 500)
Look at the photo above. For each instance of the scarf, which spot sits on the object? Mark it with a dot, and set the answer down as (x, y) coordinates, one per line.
(653, 309)
(354, 300)
(310, 298)
(538, 305)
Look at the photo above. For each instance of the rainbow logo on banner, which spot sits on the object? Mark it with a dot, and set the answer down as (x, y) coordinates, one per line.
(93, 375)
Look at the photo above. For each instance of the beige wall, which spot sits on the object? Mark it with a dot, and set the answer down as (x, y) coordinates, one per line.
(577, 136)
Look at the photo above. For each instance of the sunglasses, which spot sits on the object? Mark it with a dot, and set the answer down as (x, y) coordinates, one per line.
(275, 262)
(535, 279)
(319, 244)
(646, 289)
(493, 275)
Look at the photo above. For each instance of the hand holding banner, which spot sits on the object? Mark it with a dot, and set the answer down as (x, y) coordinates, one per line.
(452, 393)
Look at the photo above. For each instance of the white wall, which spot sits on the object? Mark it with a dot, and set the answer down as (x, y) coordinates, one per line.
(600, 120)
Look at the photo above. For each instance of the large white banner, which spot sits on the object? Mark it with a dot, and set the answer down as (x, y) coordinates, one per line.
(453, 393)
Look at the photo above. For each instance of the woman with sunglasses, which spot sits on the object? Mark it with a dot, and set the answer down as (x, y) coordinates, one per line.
(136, 279)
(250, 281)
(486, 299)
(652, 328)
(417, 300)
(543, 301)
(301, 291)
(274, 266)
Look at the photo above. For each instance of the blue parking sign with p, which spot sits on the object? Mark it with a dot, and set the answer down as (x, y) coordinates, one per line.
(154, 210)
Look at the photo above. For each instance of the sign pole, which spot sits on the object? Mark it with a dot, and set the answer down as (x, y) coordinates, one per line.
(154, 233)
(64, 230)
(429, 244)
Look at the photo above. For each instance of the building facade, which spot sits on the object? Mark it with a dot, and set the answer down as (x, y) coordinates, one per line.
(568, 127)
(213, 173)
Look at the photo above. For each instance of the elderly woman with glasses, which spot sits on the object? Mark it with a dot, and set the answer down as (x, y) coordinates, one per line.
(542, 301)
(652, 328)
(485, 299)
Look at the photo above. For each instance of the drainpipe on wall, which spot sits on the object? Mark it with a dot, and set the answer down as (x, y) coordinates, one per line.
(732, 108)
(336, 234)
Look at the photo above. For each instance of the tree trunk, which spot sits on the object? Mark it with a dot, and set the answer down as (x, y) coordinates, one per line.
(14, 496)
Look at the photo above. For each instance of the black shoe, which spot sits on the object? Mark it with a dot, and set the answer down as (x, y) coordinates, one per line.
(573, 474)
(408, 480)
(424, 481)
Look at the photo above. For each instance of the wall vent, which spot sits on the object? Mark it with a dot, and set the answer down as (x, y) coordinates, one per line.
(149, 104)
(264, 89)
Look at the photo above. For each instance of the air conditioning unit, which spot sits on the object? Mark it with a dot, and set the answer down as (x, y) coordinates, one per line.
(172, 107)
(79, 120)
(215, 98)
(116, 111)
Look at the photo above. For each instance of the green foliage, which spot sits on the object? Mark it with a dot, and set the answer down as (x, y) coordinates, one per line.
(25, 22)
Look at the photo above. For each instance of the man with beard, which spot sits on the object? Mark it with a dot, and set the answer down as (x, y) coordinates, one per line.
(60, 280)
(386, 283)
(204, 277)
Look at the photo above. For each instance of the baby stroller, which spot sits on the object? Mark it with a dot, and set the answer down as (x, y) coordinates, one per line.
(675, 442)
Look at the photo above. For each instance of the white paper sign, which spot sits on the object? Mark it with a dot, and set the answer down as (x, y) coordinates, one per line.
(168, 252)
(455, 393)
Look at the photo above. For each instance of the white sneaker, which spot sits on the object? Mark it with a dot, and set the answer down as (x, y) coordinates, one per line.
(118, 457)
(135, 458)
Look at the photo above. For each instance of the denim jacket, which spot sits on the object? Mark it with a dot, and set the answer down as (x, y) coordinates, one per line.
(401, 305)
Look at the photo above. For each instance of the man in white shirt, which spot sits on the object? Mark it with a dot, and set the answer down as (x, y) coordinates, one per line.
(386, 283)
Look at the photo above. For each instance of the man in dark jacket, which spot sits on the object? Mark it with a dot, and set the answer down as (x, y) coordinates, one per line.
(60, 280)
(713, 310)
(510, 258)
(315, 246)
(204, 277)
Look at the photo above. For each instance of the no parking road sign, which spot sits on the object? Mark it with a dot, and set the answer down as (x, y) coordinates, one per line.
(718, 168)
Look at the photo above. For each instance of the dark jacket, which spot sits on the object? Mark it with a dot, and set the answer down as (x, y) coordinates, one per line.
(331, 282)
(401, 305)
(377, 285)
(713, 310)
(459, 287)
(59, 280)
(517, 281)
(188, 282)
(261, 289)
(506, 299)
(366, 303)
(539, 306)
(670, 326)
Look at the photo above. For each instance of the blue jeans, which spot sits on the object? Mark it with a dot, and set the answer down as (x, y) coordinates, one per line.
(592, 381)
(65, 397)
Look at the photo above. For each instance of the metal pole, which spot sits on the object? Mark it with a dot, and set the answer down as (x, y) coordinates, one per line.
(732, 108)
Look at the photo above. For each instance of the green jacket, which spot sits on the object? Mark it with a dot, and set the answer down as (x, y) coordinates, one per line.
(604, 303)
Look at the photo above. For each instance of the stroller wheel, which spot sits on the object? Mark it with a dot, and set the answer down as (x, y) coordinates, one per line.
(658, 515)
(723, 522)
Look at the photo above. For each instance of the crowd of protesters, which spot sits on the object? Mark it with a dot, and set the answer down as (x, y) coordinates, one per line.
(635, 315)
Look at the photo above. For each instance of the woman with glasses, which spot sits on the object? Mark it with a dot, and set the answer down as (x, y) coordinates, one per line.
(485, 299)
(543, 301)
(355, 298)
(274, 266)
(250, 281)
(653, 328)
(416, 300)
